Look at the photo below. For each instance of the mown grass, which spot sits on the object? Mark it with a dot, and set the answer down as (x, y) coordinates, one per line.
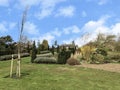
(57, 77)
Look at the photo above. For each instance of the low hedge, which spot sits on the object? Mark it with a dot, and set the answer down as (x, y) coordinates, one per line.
(44, 52)
(45, 55)
(45, 60)
(8, 57)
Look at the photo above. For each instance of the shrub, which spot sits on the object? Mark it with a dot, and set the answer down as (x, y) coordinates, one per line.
(101, 51)
(97, 58)
(113, 58)
(63, 56)
(73, 61)
(45, 60)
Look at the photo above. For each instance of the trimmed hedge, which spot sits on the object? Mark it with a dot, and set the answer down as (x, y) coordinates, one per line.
(8, 57)
(44, 52)
(45, 60)
(45, 55)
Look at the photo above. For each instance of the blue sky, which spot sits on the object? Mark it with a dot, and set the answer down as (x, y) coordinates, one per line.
(61, 20)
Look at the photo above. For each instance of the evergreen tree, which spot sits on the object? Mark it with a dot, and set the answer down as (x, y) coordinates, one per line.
(33, 56)
(53, 49)
(58, 49)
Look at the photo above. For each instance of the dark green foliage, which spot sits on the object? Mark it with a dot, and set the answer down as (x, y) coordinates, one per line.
(33, 56)
(63, 56)
(6, 45)
(58, 49)
(72, 50)
(73, 61)
(101, 51)
(52, 50)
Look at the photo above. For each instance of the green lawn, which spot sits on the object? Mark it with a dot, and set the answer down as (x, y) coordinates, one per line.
(57, 77)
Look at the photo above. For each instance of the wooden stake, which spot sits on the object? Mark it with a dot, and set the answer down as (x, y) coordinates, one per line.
(18, 66)
(11, 69)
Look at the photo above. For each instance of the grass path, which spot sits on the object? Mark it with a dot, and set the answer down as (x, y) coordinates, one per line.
(57, 77)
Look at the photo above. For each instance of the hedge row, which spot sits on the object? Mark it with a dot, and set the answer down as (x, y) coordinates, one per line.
(45, 60)
(8, 57)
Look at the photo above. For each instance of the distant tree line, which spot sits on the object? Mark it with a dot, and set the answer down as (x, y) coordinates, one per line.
(8, 46)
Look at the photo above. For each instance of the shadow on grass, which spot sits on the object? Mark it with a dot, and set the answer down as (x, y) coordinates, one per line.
(15, 77)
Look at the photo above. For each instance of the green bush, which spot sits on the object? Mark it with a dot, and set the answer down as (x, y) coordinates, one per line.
(45, 60)
(113, 58)
(63, 56)
(101, 51)
(73, 61)
(97, 58)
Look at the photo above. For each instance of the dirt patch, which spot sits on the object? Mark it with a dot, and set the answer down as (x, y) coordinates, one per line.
(108, 67)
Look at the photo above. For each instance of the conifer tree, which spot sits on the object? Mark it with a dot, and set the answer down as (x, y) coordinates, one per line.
(33, 56)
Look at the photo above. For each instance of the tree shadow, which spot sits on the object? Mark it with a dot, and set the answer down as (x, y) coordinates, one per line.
(15, 77)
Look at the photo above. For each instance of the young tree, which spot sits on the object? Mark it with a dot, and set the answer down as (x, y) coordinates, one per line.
(18, 72)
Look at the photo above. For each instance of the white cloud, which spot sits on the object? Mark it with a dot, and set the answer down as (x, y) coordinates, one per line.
(47, 7)
(44, 13)
(84, 14)
(93, 25)
(6, 26)
(56, 32)
(24, 3)
(67, 41)
(66, 11)
(4, 3)
(47, 36)
(3, 27)
(31, 28)
(92, 29)
(99, 2)
(115, 28)
(71, 29)
(12, 25)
